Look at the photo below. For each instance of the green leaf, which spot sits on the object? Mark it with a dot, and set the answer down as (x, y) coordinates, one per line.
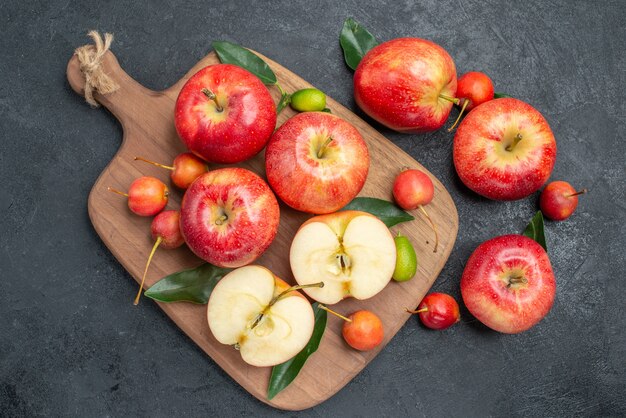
(326, 110)
(497, 95)
(386, 211)
(534, 230)
(194, 285)
(230, 53)
(283, 374)
(355, 41)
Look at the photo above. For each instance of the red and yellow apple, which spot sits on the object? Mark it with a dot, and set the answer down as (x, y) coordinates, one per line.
(407, 84)
(559, 200)
(254, 310)
(225, 114)
(352, 252)
(504, 149)
(508, 283)
(229, 217)
(316, 162)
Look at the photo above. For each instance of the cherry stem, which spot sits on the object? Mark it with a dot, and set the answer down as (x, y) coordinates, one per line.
(320, 152)
(417, 311)
(583, 191)
(153, 163)
(465, 103)
(208, 93)
(449, 98)
(432, 224)
(221, 219)
(111, 189)
(516, 140)
(334, 313)
(143, 279)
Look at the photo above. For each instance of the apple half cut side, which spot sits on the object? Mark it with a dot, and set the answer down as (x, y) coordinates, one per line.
(352, 252)
(245, 310)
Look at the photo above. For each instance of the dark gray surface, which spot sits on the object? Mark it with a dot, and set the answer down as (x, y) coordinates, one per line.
(72, 344)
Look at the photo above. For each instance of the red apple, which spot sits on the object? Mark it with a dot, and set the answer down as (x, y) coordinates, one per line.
(559, 200)
(508, 283)
(504, 149)
(229, 217)
(407, 84)
(316, 162)
(224, 114)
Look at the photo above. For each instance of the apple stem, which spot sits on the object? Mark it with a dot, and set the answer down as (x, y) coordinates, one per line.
(449, 98)
(143, 279)
(583, 191)
(417, 311)
(291, 289)
(208, 93)
(516, 140)
(334, 313)
(280, 296)
(221, 219)
(465, 103)
(432, 224)
(320, 152)
(517, 280)
(153, 163)
(111, 189)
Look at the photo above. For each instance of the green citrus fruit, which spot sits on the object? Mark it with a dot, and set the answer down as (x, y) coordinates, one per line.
(406, 259)
(308, 100)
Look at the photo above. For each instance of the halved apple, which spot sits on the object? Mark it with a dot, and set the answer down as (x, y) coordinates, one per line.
(352, 252)
(253, 310)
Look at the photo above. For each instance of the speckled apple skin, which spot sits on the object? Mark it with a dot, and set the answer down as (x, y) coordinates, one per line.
(484, 287)
(480, 157)
(398, 84)
(311, 184)
(252, 211)
(238, 132)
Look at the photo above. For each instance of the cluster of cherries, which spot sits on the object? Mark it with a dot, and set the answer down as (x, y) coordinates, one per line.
(148, 196)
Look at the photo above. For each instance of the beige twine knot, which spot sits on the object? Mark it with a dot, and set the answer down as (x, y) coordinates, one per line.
(90, 58)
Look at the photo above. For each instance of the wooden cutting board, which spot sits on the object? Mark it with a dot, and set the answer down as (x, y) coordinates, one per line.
(147, 119)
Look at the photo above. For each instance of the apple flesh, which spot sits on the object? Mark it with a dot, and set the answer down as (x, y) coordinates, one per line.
(224, 114)
(245, 310)
(406, 84)
(508, 283)
(316, 162)
(504, 150)
(352, 252)
(229, 217)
